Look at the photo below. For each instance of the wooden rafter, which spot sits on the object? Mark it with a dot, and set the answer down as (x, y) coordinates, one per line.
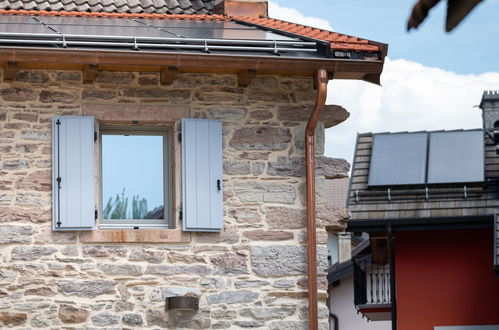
(9, 71)
(167, 75)
(245, 77)
(89, 73)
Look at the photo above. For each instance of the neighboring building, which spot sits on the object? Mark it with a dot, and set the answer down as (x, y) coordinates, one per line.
(335, 195)
(336, 191)
(344, 315)
(429, 202)
(341, 249)
(150, 152)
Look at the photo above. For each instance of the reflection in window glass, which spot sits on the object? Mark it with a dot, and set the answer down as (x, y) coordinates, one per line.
(132, 176)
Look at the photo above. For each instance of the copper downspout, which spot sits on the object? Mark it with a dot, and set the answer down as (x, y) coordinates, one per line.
(321, 80)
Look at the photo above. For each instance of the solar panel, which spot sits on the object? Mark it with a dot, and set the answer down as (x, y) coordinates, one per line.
(21, 24)
(398, 159)
(106, 30)
(17, 19)
(456, 157)
(177, 23)
(213, 30)
(253, 35)
(99, 21)
(24, 28)
(247, 34)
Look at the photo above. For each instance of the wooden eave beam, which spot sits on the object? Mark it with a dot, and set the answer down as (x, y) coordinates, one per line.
(245, 77)
(343, 69)
(9, 71)
(89, 73)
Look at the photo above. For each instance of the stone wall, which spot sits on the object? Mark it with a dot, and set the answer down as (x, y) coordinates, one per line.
(252, 274)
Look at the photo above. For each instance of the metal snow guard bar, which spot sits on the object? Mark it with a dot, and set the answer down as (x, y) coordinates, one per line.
(66, 40)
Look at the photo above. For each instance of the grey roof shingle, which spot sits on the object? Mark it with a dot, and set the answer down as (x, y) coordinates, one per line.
(115, 6)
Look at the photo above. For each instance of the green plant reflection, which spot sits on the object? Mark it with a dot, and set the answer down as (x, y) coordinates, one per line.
(118, 208)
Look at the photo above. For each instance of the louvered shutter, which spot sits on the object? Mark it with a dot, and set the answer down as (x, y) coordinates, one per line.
(202, 187)
(73, 192)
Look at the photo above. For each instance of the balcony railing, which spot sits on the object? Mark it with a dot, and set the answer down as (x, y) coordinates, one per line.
(372, 282)
(378, 284)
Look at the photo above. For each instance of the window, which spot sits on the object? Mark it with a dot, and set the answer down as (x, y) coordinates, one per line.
(135, 179)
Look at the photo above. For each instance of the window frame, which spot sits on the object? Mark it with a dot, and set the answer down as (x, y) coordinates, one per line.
(168, 221)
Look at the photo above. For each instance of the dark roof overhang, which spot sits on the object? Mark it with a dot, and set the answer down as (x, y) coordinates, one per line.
(415, 224)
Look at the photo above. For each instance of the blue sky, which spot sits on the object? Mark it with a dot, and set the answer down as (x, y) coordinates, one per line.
(431, 80)
(471, 48)
(136, 166)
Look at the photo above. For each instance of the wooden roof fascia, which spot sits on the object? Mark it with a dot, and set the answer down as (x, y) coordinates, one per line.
(343, 69)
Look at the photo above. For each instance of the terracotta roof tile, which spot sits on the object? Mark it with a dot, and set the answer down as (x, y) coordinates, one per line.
(114, 6)
(337, 41)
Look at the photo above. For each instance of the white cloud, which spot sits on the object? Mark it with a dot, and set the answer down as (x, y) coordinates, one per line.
(293, 15)
(413, 97)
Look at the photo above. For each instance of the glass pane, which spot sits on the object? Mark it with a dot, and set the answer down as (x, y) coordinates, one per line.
(245, 34)
(178, 23)
(141, 31)
(99, 21)
(132, 176)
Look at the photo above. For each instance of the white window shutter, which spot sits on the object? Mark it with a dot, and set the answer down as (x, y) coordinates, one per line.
(73, 192)
(202, 186)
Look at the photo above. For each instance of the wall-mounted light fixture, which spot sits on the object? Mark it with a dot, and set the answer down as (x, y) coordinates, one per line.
(187, 303)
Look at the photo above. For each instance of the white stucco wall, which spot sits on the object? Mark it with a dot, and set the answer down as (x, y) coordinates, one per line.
(341, 302)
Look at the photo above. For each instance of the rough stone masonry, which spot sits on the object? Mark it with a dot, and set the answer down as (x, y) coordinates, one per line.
(251, 275)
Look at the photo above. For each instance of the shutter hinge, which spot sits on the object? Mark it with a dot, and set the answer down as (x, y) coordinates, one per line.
(95, 136)
(96, 214)
(179, 137)
(180, 215)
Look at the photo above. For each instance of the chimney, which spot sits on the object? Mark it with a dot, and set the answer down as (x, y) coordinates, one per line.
(490, 116)
(490, 110)
(344, 246)
(251, 8)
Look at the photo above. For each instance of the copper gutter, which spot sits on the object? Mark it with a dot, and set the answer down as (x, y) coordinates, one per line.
(321, 80)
